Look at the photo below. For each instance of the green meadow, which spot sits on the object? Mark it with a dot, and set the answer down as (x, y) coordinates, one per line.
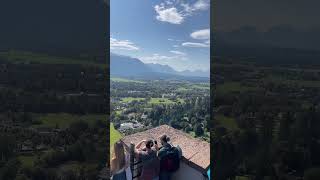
(227, 122)
(114, 136)
(63, 120)
(164, 101)
(27, 161)
(130, 99)
(230, 87)
(30, 57)
(117, 79)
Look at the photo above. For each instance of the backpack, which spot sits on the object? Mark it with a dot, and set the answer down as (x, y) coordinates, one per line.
(171, 161)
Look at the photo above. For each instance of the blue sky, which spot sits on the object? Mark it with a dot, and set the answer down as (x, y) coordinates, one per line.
(172, 32)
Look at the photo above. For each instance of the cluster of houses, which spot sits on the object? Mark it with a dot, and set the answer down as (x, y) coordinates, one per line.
(129, 126)
(169, 95)
(132, 124)
(27, 147)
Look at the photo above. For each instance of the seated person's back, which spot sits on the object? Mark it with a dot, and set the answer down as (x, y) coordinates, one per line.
(150, 162)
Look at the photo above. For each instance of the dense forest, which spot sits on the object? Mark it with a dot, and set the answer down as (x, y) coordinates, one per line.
(184, 105)
(266, 121)
(52, 118)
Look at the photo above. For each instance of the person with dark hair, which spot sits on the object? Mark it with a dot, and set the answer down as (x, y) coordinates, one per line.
(169, 157)
(150, 162)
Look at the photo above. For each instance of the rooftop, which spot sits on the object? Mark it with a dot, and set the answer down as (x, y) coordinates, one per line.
(196, 152)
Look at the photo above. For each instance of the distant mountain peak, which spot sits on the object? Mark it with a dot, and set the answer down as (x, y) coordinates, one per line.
(122, 65)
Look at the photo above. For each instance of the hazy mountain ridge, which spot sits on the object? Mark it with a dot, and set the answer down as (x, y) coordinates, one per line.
(49, 27)
(161, 68)
(127, 66)
(278, 45)
(280, 36)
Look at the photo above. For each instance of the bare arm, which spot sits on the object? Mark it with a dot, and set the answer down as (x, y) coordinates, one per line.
(139, 144)
(156, 147)
(138, 149)
(112, 170)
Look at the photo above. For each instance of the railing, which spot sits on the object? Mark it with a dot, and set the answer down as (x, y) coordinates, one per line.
(135, 165)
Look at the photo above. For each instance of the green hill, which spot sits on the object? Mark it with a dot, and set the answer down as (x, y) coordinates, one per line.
(114, 136)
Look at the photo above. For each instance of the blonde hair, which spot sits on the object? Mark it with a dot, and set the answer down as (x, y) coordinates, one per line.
(118, 160)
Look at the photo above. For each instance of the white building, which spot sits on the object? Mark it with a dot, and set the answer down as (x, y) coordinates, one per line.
(126, 126)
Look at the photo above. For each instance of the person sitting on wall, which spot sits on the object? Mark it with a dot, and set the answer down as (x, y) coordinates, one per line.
(150, 162)
(169, 157)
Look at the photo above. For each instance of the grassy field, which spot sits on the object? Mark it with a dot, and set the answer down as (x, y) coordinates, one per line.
(63, 120)
(230, 87)
(76, 166)
(114, 136)
(182, 89)
(152, 100)
(227, 122)
(281, 80)
(27, 161)
(201, 86)
(118, 112)
(29, 57)
(194, 87)
(130, 99)
(164, 101)
(117, 79)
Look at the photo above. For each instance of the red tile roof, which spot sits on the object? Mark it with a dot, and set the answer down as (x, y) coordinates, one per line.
(195, 152)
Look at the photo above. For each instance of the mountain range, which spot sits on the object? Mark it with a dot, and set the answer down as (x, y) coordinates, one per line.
(279, 45)
(132, 67)
(59, 27)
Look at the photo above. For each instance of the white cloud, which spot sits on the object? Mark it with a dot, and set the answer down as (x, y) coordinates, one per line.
(161, 59)
(194, 44)
(175, 46)
(168, 12)
(170, 15)
(201, 34)
(122, 45)
(178, 53)
(156, 58)
(200, 5)
(169, 2)
(170, 39)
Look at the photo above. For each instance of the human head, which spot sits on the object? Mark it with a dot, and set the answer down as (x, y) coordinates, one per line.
(164, 139)
(149, 144)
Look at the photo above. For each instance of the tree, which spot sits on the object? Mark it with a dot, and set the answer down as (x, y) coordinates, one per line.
(312, 174)
(193, 120)
(198, 129)
(162, 121)
(207, 122)
(7, 145)
(21, 177)
(78, 127)
(284, 130)
(188, 129)
(10, 170)
(175, 124)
